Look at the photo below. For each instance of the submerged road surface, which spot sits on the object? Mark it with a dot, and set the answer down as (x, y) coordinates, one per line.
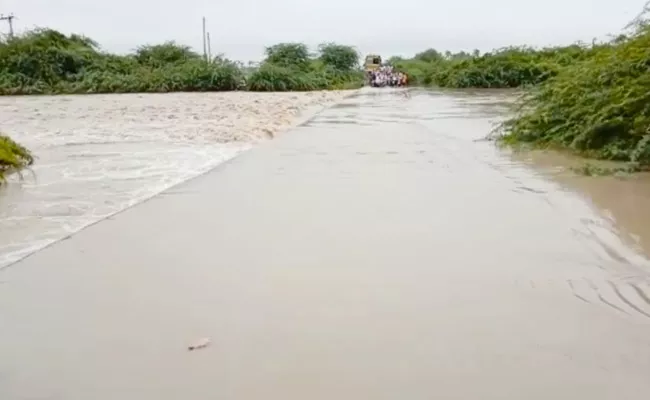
(376, 252)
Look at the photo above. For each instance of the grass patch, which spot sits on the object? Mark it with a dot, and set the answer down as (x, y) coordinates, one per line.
(589, 169)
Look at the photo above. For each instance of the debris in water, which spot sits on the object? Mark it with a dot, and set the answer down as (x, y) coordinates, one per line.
(200, 344)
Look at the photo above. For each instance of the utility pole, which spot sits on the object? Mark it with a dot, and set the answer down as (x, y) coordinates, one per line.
(10, 19)
(205, 50)
(209, 48)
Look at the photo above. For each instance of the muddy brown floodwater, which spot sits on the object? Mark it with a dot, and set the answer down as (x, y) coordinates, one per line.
(378, 251)
(96, 155)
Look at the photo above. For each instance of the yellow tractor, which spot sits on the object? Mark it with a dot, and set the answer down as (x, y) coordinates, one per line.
(373, 62)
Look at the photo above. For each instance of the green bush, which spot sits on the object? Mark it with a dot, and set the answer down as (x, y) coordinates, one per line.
(504, 68)
(598, 107)
(13, 156)
(339, 57)
(275, 78)
(158, 56)
(289, 55)
(289, 67)
(44, 61)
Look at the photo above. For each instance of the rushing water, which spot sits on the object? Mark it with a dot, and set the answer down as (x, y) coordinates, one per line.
(97, 155)
(379, 251)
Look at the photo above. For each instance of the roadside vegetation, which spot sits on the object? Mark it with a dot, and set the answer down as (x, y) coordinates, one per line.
(509, 67)
(13, 157)
(598, 107)
(44, 61)
(290, 67)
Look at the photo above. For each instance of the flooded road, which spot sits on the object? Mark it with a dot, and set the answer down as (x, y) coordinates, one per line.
(378, 251)
(96, 155)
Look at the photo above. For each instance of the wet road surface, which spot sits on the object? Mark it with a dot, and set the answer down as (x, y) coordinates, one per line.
(377, 252)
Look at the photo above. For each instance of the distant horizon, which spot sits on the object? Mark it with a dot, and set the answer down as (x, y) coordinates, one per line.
(465, 25)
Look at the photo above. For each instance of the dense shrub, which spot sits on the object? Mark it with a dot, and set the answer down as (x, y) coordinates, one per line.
(503, 68)
(44, 61)
(13, 156)
(289, 67)
(599, 106)
(339, 57)
(289, 55)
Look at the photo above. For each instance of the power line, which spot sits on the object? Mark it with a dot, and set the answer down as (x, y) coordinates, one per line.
(10, 19)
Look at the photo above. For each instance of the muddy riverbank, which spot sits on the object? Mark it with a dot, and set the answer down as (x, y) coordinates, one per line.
(99, 154)
(378, 251)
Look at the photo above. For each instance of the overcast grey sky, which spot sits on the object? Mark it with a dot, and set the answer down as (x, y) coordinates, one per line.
(241, 28)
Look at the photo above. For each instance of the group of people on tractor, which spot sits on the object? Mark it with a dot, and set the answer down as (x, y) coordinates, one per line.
(387, 76)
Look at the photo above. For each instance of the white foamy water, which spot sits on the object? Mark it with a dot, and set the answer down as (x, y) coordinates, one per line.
(99, 154)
